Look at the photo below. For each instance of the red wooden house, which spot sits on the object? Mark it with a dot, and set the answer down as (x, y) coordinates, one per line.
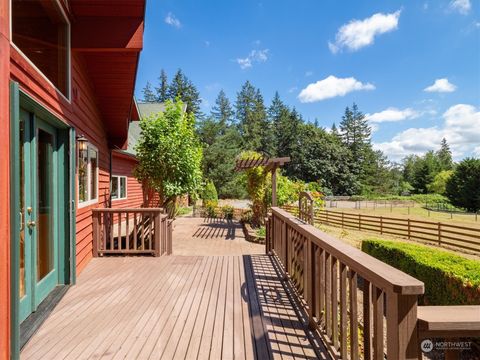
(67, 77)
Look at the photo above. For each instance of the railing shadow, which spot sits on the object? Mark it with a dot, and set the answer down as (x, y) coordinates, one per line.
(217, 228)
(278, 324)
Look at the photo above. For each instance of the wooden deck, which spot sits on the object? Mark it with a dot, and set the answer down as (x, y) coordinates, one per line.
(176, 307)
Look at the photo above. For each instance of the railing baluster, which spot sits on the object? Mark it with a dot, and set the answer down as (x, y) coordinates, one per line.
(352, 277)
(127, 232)
(377, 323)
(119, 233)
(367, 319)
(335, 303)
(322, 288)
(343, 311)
(328, 293)
(135, 230)
(110, 229)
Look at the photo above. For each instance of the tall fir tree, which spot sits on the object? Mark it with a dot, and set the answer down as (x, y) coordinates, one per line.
(355, 131)
(245, 109)
(267, 135)
(162, 89)
(148, 94)
(182, 88)
(444, 155)
(222, 112)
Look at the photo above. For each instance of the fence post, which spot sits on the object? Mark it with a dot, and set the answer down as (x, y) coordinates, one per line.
(359, 222)
(408, 222)
(381, 224)
(342, 219)
(439, 233)
(157, 233)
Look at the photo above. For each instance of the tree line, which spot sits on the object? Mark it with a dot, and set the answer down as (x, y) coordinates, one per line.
(340, 159)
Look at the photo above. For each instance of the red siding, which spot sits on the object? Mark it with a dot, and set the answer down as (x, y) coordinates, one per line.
(83, 114)
(123, 166)
(4, 182)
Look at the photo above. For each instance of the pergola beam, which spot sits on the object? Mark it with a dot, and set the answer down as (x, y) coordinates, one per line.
(271, 164)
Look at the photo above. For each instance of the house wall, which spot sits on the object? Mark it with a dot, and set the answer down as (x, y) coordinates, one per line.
(4, 180)
(81, 113)
(124, 166)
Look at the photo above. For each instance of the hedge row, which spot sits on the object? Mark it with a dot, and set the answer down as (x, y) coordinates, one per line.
(449, 279)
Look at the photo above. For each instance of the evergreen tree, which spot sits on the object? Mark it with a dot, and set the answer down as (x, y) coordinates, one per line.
(246, 107)
(148, 94)
(355, 131)
(445, 156)
(222, 112)
(267, 135)
(162, 89)
(182, 88)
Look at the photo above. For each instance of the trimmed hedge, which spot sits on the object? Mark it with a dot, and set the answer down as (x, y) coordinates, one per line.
(449, 279)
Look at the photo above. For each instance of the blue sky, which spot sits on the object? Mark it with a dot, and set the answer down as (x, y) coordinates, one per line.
(412, 66)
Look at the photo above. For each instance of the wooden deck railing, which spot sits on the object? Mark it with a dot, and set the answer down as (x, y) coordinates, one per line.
(362, 307)
(440, 233)
(131, 231)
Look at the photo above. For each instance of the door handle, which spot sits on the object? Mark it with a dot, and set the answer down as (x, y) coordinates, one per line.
(31, 224)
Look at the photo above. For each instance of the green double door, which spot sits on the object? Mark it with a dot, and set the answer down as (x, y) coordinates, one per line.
(39, 218)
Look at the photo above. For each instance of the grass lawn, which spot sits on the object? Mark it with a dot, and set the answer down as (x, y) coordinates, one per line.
(416, 213)
(355, 238)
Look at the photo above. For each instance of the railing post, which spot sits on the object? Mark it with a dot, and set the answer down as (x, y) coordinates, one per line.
(157, 233)
(402, 326)
(169, 236)
(439, 233)
(96, 233)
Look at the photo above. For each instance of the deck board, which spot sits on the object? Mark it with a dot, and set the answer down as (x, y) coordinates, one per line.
(177, 307)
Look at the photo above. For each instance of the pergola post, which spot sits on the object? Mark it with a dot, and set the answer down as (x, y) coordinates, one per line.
(274, 186)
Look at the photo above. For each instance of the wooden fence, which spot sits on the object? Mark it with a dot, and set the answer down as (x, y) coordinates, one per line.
(439, 233)
(131, 231)
(341, 287)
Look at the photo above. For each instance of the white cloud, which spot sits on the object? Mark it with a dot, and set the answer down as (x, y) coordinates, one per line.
(392, 114)
(441, 85)
(331, 87)
(173, 21)
(461, 128)
(462, 6)
(476, 151)
(360, 33)
(255, 56)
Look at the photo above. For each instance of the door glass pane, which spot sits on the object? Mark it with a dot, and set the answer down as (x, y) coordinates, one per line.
(22, 209)
(45, 204)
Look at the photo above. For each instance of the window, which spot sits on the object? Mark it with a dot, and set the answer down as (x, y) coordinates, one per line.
(119, 187)
(42, 33)
(87, 175)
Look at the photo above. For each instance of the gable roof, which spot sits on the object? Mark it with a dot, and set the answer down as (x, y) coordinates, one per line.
(144, 110)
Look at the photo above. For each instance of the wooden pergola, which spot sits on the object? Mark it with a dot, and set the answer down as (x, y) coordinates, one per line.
(271, 164)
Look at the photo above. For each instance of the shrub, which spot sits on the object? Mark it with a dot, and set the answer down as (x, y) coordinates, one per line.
(449, 279)
(227, 212)
(210, 208)
(209, 193)
(247, 216)
(261, 232)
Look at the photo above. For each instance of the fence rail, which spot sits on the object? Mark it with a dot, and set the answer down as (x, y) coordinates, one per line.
(439, 233)
(131, 231)
(342, 287)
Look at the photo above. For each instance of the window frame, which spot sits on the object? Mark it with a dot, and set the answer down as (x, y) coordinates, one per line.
(68, 96)
(82, 204)
(118, 177)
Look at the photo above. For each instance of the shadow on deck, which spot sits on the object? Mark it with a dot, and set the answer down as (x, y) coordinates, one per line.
(190, 305)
